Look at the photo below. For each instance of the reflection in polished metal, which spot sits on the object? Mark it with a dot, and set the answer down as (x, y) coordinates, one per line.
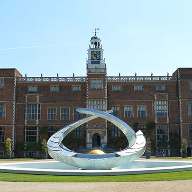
(96, 152)
(133, 151)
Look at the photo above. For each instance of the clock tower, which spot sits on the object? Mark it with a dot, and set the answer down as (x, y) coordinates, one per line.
(96, 94)
(95, 61)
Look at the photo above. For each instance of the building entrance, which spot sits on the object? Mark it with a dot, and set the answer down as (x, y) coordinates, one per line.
(96, 140)
(189, 151)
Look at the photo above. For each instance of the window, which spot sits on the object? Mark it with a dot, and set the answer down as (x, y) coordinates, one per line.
(32, 88)
(190, 85)
(115, 131)
(54, 88)
(143, 129)
(96, 84)
(2, 134)
(160, 88)
(162, 132)
(116, 111)
(160, 108)
(52, 114)
(2, 110)
(77, 133)
(190, 132)
(128, 111)
(116, 88)
(96, 104)
(51, 131)
(141, 111)
(31, 134)
(76, 115)
(138, 88)
(32, 111)
(190, 108)
(76, 88)
(64, 113)
(1, 83)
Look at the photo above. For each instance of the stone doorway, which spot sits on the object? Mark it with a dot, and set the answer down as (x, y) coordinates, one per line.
(96, 140)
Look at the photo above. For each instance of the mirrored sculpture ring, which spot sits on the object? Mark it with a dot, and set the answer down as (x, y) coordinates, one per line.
(133, 151)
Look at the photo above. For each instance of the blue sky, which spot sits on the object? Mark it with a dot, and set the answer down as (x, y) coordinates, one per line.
(141, 36)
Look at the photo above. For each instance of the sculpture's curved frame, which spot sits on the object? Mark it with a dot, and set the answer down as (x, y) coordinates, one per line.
(61, 153)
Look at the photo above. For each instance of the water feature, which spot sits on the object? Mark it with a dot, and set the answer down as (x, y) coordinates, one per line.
(57, 168)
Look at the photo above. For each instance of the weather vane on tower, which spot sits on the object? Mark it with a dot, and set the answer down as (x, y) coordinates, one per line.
(96, 31)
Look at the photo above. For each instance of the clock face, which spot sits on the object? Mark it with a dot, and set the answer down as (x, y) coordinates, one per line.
(95, 55)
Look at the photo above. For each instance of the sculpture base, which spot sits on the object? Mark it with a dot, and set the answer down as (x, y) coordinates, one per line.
(133, 168)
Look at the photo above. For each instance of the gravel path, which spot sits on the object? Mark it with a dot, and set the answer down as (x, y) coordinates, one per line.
(155, 186)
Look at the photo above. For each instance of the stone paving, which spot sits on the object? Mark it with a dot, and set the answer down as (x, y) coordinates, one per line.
(155, 186)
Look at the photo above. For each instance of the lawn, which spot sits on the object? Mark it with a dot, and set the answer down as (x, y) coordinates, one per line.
(184, 175)
(16, 159)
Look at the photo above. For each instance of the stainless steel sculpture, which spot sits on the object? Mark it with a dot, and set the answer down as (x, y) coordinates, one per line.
(136, 148)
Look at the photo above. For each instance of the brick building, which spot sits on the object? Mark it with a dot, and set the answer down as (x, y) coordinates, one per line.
(32, 108)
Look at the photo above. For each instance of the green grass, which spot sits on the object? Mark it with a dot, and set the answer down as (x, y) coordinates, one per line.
(172, 158)
(17, 159)
(152, 157)
(184, 175)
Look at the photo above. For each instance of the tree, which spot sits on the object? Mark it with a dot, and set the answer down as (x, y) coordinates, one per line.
(184, 147)
(135, 126)
(148, 146)
(44, 147)
(150, 127)
(43, 132)
(174, 140)
(148, 149)
(8, 148)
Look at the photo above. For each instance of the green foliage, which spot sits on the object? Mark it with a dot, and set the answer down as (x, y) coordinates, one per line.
(117, 142)
(72, 142)
(162, 144)
(150, 126)
(174, 140)
(135, 126)
(19, 146)
(184, 146)
(44, 147)
(35, 146)
(148, 146)
(8, 147)
(43, 130)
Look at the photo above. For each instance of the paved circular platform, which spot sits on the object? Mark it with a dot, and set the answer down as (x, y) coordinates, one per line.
(57, 168)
